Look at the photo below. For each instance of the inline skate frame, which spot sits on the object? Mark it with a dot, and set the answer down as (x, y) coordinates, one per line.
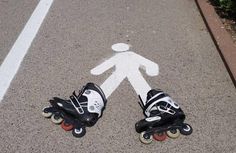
(80, 111)
(164, 118)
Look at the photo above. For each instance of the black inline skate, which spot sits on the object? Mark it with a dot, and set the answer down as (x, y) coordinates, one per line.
(164, 118)
(80, 111)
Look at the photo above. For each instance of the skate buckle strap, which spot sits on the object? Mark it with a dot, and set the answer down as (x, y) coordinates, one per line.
(155, 99)
(166, 110)
(154, 118)
(75, 102)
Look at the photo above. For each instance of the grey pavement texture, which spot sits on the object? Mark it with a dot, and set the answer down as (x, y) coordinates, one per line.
(13, 16)
(77, 35)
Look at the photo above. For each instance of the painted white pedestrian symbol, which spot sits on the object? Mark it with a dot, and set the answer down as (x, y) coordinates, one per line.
(127, 64)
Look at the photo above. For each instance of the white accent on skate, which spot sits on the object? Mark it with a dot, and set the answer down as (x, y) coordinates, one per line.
(13, 60)
(168, 100)
(151, 119)
(60, 104)
(155, 96)
(188, 128)
(79, 109)
(166, 110)
(78, 131)
(127, 64)
(95, 102)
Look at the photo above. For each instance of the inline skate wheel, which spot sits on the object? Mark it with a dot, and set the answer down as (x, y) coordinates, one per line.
(46, 113)
(145, 138)
(56, 119)
(173, 133)
(159, 136)
(66, 126)
(186, 129)
(79, 132)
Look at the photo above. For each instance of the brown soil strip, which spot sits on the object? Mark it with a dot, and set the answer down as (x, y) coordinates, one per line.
(221, 38)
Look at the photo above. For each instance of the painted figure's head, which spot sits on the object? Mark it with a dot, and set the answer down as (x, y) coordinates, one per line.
(120, 47)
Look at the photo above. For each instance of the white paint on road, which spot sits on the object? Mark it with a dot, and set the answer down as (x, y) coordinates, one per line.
(120, 47)
(15, 56)
(127, 64)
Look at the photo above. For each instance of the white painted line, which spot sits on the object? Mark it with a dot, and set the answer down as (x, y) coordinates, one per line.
(127, 64)
(13, 60)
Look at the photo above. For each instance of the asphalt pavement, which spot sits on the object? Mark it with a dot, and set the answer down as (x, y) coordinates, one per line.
(76, 36)
(14, 15)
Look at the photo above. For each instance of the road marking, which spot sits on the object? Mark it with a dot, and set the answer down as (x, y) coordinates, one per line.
(13, 60)
(127, 64)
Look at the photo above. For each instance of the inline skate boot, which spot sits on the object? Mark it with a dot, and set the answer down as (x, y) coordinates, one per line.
(164, 118)
(80, 111)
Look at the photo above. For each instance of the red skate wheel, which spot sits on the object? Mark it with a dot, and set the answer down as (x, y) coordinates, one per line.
(66, 126)
(159, 136)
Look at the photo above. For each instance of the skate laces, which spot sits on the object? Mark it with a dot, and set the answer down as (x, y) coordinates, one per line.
(75, 102)
(162, 103)
(166, 109)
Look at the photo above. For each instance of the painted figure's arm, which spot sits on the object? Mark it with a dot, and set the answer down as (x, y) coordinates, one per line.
(151, 68)
(106, 65)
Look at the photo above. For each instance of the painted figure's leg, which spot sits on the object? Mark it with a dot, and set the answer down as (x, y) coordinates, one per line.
(112, 83)
(140, 85)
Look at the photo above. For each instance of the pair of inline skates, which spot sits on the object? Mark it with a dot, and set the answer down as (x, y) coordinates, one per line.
(164, 117)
